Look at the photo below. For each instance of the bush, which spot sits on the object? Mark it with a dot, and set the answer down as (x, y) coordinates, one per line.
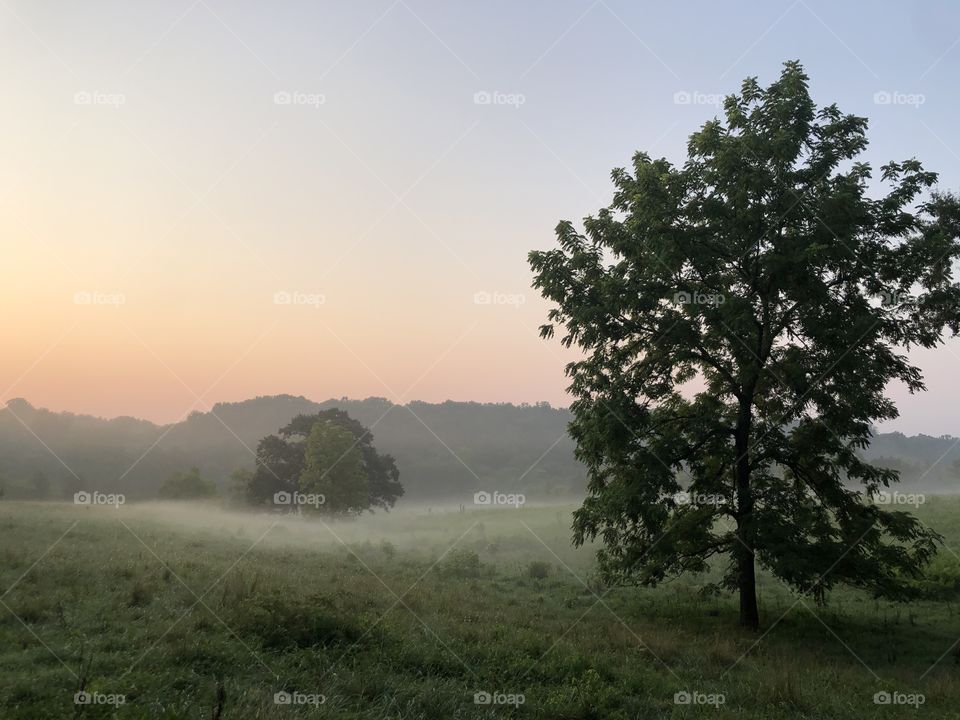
(538, 570)
(941, 581)
(388, 549)
(282, 621)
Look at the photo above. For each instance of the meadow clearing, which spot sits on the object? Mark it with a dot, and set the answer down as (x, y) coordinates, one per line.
(196, 611)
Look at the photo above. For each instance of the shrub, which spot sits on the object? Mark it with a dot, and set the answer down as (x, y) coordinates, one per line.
(283, 621)
(538, 570)
(941, 581)
(388, 549)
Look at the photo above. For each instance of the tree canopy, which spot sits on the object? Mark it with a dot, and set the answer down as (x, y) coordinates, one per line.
(187, 486)
(333, 468)
(740, 318)
(329, 456)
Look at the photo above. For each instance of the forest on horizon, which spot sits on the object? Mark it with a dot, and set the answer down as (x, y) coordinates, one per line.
(445, 451)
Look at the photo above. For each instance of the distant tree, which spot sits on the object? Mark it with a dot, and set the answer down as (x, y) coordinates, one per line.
(905, 469)
(279, 464)
(289, 463)
(740, 318)
(334, 468)
(187, 486)
(240, 480)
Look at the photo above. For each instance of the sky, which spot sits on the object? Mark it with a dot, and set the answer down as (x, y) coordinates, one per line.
(205, 201)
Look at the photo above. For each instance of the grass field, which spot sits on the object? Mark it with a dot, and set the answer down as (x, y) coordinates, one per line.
(197, 612)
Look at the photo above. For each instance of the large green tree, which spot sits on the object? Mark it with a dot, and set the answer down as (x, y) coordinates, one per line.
(333, 467)
(740, 317)
(325, 461)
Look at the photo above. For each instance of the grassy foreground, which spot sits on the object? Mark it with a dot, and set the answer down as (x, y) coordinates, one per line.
(163, 611)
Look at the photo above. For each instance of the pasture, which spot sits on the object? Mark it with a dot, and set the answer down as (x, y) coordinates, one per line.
(196, 611)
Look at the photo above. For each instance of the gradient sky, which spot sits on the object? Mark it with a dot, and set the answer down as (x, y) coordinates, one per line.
(155, 196)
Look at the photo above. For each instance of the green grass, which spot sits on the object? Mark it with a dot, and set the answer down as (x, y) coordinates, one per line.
(408, 615)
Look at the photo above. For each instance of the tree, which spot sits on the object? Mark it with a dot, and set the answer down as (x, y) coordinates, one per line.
(286, 463)
(279, 464)
(740, 318)
(187, 486)
(240, 480)
(333, 468)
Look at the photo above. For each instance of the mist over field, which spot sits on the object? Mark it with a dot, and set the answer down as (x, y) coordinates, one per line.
(418, 360)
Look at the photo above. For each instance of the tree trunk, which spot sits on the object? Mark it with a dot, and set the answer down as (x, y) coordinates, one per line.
(747, 581)
(745, 551)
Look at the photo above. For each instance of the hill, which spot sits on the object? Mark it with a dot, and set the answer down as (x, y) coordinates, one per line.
(445, 451)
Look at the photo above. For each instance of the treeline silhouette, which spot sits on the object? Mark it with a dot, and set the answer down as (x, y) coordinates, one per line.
(445, 451)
